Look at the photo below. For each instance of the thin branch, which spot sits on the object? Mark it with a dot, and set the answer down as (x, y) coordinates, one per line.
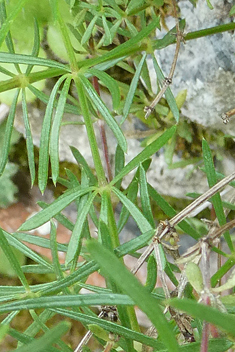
(87, 337)
(162, 231)
(226, 116)
(168, 80)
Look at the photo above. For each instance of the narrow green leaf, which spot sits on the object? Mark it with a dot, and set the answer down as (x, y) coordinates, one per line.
(145, 154)
(112, 327)
(168, 94)
(4, 328)
(13, 260)
(55, 208)
(104, 234)
(133, 86)
(50, 337)
(62, 219)
(71, 109)
(35, 327)
(8, 39)
(131, 195)
(76, 237)
(54, 252)
(119, 163)
(55, 130)
(8, 133)
(170, 211)
(144, 74)
(134, 4)
(131, 27)
(38, 240)
(110, 83)
(144, 197)
(108, 38)
(7, 73)
(68, 301)
(16, 243)
(101, 107)
(169, 38)
(81, 161)
(125, 48)
(140, 219)
(89, 30)
(151, 274)
(232, 11)
(209, 4)
(216, 199)
(134, 244)
(30, 60)
(221, 272)
(67, 42)
(129, 284)
(10, 18)
(36, 46)
(90, 131)
(45, 137)
(115, 27)
(223, 320)
(28, 137)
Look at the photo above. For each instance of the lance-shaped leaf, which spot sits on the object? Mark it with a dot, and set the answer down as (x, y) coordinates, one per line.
(101, 107)
(45, 137)
(75, 240)
(49, 338)
(30, 60)
(145, 154)
(129, 284)
(110, 83)
(132, 89)
(8, 133)
(55, 130)
(29, 138)
(59, 204)
(212, 180)
(13, 260)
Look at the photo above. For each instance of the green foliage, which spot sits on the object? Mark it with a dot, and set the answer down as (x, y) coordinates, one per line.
(81, 45)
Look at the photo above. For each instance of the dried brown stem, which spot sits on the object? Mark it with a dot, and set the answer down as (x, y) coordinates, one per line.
(168, 80)
(87, 337)
(161, 232)
(226, 116)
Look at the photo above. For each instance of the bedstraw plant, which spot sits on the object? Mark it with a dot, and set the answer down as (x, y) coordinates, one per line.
(80, 45)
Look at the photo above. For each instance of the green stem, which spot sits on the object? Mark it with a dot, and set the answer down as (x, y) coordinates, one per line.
(90, 133)
(210, 31)
(170, 37)
(15, 82)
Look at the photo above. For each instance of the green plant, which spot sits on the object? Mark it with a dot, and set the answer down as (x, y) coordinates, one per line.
(95, 37)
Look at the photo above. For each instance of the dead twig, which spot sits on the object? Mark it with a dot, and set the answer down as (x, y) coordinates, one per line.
(168, 80)
(226, 116)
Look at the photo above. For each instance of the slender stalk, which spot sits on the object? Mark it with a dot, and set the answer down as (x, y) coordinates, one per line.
(210, 31)
(160, 233)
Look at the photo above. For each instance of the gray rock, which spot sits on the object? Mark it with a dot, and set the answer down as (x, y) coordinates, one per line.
(205, 66)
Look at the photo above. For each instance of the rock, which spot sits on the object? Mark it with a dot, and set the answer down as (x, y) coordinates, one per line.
(205, 66)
